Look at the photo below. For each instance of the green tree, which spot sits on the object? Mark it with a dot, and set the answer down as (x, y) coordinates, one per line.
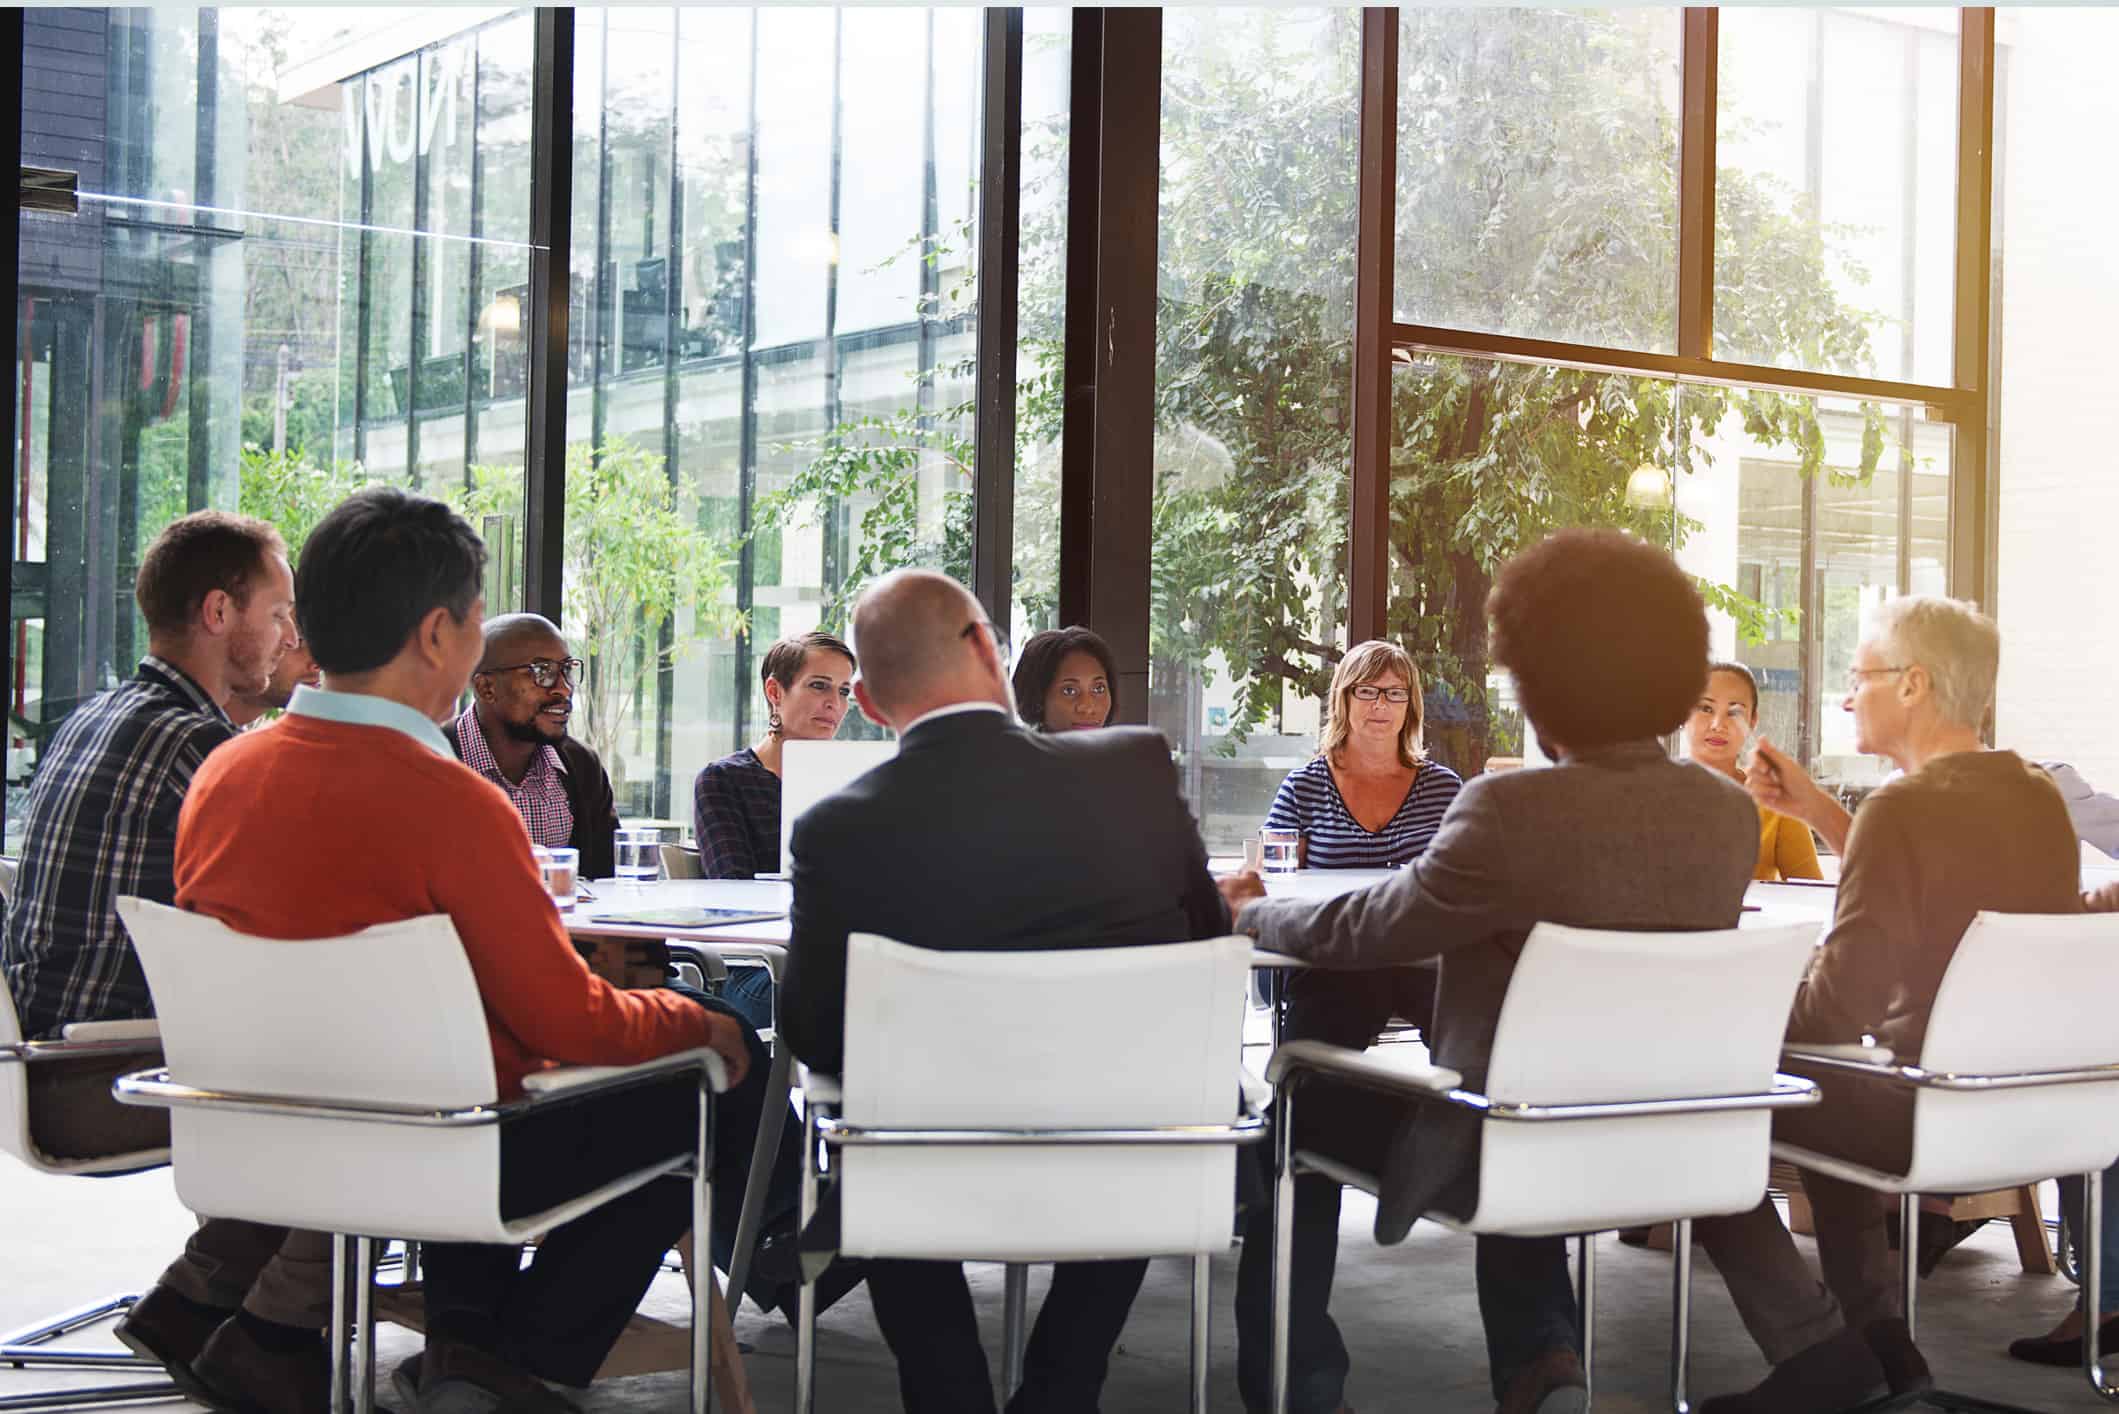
(1537, 193)
(634, 556)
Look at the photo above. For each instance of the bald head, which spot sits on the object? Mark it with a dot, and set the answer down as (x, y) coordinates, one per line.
(923, 645)
(512, 638)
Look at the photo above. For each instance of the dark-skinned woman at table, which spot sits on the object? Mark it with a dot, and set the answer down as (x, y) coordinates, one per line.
(1066, 681)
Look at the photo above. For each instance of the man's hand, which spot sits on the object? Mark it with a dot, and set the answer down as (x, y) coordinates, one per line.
(1240, 891)
(1777, 782)
(725, 1035)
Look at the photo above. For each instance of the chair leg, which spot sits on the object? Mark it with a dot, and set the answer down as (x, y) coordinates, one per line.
(765, 1147)
(341, 1324)
(1015, 1325)
(1681, 1316)
(364, 1324)
(1202, 1324)
(1586, 1304)
(1909, 1254)
(2092, 1260)
(1283, 1235)
(806, 1308)
(702, 1269)
(27, 1346)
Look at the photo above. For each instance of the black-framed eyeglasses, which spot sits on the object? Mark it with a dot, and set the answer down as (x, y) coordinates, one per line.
(545, 672)
(1000, 640)
(1369, 692)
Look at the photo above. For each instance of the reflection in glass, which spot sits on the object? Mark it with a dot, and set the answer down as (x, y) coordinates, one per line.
(1537, 173)
(1837, 187)
(1254, 330)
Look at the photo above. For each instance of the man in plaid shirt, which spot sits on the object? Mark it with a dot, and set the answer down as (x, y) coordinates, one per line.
(218, 600)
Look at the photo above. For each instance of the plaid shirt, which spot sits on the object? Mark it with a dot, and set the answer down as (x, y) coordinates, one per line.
(103, 822)
(736, 816)
(541, 798)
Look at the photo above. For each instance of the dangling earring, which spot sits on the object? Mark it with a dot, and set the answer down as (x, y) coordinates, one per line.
(772, 721)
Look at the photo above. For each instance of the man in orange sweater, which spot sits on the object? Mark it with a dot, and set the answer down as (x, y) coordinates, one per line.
(353, 811)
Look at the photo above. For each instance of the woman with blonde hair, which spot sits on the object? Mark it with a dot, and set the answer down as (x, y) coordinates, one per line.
(1370, 799)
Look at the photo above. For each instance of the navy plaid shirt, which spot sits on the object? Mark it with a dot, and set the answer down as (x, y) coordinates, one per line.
(736, 816)
(103, 822)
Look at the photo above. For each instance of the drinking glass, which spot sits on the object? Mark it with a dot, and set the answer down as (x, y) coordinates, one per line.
(1280, 851)
(639, 854)
(561, 869)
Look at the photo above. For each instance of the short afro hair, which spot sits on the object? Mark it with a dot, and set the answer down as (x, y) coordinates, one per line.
(1605, 636)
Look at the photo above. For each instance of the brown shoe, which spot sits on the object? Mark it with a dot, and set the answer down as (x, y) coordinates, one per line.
(1551, 1384)
(244, 1377)
(170, 1330)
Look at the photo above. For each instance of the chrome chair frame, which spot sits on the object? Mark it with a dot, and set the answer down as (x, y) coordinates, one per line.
(353, 1257)
(2090, 1256)
(1301, 1060)
(29, 1346)
(823, 1132)
(772, 1114)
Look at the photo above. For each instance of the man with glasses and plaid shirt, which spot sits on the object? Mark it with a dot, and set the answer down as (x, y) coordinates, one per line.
(514, 734)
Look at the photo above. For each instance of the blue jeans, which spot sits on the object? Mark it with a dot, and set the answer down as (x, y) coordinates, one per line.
(2071, 1203)
(748, 993)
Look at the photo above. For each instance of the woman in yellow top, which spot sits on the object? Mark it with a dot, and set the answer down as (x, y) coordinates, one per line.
(1715, 736)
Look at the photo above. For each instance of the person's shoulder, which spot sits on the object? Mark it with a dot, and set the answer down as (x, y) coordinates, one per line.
(577, 756)
(1436, 776)
(740, 762)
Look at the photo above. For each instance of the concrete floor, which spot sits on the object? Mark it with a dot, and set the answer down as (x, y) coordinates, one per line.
(1408, 1314)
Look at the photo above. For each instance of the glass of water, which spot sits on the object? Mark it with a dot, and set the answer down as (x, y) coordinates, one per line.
(561, 869)
(1280, 851)
(639, 854)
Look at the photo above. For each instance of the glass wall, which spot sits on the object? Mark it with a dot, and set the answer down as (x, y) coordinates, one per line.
(1254, 335)
(264, 301)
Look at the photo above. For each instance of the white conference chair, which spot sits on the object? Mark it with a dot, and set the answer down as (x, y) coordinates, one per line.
(985, 1092)
(681, 861)
(1638, 1065)
(30, 1346)
(346, 1085)
(2018, 1081)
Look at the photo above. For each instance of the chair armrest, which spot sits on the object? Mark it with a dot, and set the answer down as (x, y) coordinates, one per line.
(1398, 1077)
(582, 1079)
(146, 1029)
(1851, 1056)
(816, 1086)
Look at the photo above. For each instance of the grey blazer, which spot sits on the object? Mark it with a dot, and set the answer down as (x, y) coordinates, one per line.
(1622, 837)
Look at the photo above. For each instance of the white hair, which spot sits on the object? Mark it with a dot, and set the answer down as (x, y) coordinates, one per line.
(1957, 644)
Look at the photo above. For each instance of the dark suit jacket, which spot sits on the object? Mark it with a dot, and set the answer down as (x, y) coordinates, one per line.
(589, 796)
(1623, 837)
(982, 835)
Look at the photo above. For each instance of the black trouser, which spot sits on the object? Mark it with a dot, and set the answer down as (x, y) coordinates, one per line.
(925, 1311)
(1526, 1298)
(560, 1316)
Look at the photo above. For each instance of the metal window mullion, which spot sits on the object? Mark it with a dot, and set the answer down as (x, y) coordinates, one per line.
(999, 294)
(551, 238)
(1375, 246)
(833, 521)
(418, 311)
(672, 443)
(1697, 139)
(11, 41)
(474, 265)
(746, 412)
(1973, 481)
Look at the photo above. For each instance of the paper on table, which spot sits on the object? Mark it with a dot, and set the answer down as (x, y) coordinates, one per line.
(682, 917)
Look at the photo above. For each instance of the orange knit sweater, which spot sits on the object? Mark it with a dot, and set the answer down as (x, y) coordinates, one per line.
(316, 829)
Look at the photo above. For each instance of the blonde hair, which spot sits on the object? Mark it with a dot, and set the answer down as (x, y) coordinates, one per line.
(1364, 664)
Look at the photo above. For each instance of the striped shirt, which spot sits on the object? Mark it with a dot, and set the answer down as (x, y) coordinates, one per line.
(540, 797)
(1309, 801)
(102, 821)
